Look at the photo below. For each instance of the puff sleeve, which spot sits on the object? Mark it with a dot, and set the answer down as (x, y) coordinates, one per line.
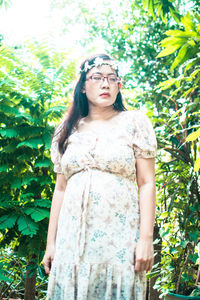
(55, 154)
(143, 136)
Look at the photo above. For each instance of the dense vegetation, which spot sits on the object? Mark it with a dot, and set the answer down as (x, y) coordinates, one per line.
(158, 42)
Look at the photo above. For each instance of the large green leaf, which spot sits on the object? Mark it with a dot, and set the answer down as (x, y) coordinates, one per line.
(36, 213)
(11, 147)
(58, 110)
(27, 226)
(32, 143)
(9, 132)
(167, 83)
(8, 221)
(43, 163)
(171, 45)
(188, 22)
(181, 34)
(47, 140)
(193, 136)
(42, 203)
(28, 179)
(16, 183)
(181, 57)
(3, 168)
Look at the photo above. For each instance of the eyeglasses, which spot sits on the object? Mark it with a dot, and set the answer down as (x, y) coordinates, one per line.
(98, 78)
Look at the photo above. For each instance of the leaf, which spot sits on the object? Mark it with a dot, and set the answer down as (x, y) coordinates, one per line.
(7, 221)
(152, 274)
(16, 183)
(9, 132)
(32, 143)
(180, 57)
(170, 40)
(9, 110)
(181, 34)
(3, 168)
(47, 140)
(197, 165)
(194, 235)
(44, 180)
(42, 203)
(193, 136)
(5, 278)
(27, 196)
(37, 214)
(26, 116)
(192, 76)
(11, 147)
(43, 163)
(189, 63)
(59, 109)
(164, 214)
(170, 48)
(188, 23)
(27, 226)
(175, 114)
(167, 83)
(28, 179)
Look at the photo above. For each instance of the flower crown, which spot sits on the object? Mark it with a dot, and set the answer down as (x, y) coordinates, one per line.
(99, 62)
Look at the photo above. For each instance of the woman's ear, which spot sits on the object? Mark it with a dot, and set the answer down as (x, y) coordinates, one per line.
(119, 85)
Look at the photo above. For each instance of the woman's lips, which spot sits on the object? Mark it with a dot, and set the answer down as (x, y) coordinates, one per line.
(105, 95)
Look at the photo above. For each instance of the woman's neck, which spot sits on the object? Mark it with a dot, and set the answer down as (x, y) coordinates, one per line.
(104, 113)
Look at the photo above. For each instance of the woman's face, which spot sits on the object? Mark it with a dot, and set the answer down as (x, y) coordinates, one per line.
(101, 93)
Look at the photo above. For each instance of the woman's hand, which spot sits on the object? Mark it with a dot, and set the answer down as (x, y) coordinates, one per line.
(48, 259)
(144, 257)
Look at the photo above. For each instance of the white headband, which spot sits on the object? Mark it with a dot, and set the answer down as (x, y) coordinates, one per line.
(99, 62)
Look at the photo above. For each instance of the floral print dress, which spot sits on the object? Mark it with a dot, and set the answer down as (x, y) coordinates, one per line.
(98, 225)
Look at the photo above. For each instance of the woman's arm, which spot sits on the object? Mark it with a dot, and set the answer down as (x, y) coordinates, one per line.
(145, 172)
(56, 204)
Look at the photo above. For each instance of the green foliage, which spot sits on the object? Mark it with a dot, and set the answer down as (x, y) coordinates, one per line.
(162, 8)
(34, 94)
(186, 41)
(193, 137)
(34, 86)
(179, 196)
(12, 275)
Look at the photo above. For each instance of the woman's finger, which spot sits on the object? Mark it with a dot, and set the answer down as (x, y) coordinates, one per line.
(137, 265)
(149, 265)
(140, 265)
(47, 265)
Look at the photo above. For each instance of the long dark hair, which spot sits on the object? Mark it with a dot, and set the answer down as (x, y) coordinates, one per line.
(80, 108)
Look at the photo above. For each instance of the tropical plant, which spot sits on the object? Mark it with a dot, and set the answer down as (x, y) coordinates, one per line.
(162, 8)
(34, 81)
(178, 175)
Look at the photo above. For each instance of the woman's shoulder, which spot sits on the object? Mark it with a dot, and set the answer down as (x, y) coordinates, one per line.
(135, 114)
(60, 127)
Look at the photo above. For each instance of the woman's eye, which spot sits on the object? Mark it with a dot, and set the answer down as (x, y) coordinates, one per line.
(97, 78)
(113, 79)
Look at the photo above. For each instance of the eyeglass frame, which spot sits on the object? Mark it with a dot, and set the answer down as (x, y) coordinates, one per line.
(103, 78)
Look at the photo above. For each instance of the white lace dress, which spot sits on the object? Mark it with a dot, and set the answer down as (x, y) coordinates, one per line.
(98, 225)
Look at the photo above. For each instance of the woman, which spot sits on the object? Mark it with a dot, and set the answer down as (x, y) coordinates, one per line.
(99, 243)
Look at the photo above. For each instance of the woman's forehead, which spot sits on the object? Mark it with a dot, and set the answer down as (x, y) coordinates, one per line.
(104, 69)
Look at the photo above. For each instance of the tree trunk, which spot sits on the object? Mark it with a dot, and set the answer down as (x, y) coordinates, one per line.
(30, 281)
(154, 294)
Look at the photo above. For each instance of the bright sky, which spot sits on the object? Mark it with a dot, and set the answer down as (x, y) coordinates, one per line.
(34, 19)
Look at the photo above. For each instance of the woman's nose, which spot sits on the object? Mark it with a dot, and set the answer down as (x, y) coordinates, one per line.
(104, 82)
